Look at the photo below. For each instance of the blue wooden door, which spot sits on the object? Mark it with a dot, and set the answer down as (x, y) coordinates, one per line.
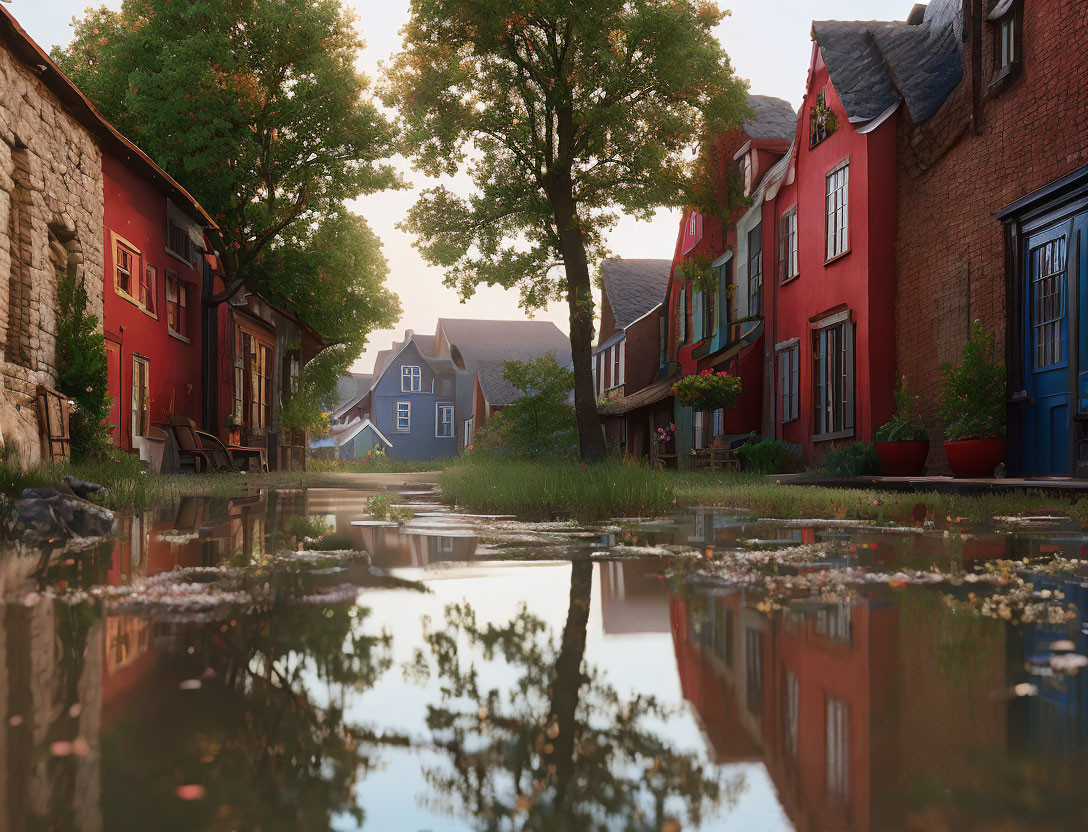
(1046, 359)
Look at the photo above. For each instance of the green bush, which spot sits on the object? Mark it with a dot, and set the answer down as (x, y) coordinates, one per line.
(973, 406)
(82, 376)
(904, 426)
(708, 390)
(858, 459)
(769, 456)
(540, 423)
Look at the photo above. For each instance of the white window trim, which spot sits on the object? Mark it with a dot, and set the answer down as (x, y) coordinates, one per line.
(396, 417)
(407, 374)
(831, 215)
(438, 408)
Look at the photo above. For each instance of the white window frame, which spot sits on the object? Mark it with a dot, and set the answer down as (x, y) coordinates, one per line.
(698, 419)
(439, 408)
(407, 417)
(1006, 41)
(837, 209)
(692, 225)
(788, 224)
(470, 430)
(412, 375)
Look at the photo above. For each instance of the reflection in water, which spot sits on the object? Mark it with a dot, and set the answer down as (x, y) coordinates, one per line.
(881, 708)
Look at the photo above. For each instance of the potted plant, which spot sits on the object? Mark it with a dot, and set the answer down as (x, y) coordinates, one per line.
(902, 443)
(707, 390)
(973, 408)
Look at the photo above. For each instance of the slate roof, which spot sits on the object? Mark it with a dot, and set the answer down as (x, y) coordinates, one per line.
(875, 64)
(350, 389)
(634, 287)
(772, 118)
(497, 390)
(478, 340)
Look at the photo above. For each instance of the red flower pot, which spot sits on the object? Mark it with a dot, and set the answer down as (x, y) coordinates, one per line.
(903, 459)
(975, 457)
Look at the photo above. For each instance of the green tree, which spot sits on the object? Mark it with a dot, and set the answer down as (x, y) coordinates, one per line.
(540, 421)
(562, 112)
(257, 106)
(82, 369)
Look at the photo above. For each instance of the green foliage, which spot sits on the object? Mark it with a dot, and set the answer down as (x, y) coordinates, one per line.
(555, 489)
(905, 425)
(375, 461)
(698, 271)
(82, 370)
(769, 456)
(540, 423)
(257, 107)
(381, 507)
(857, 459)
(973, 406)
(708, 390)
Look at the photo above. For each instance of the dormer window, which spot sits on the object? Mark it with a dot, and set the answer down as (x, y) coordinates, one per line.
(693, 225)
(746, 172)
(822, 121)
(1005, 24)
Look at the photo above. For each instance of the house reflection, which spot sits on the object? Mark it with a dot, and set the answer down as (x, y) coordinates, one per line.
(633, 597)
(855, 725)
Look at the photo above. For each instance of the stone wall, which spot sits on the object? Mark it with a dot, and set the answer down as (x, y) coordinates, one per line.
(987, 147)
(50, 218)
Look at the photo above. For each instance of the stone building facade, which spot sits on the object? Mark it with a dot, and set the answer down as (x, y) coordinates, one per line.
(50, 223)
(1003, 132)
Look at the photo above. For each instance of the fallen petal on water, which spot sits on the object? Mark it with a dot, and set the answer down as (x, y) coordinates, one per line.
(191, 791)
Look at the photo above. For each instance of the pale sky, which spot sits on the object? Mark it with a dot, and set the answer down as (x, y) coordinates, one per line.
(768, 41)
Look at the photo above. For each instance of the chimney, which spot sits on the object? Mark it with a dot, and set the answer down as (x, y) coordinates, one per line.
(917, 14)
(408, 333)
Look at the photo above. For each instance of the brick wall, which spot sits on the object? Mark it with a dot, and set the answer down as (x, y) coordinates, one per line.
(50, 211)
(983, 150)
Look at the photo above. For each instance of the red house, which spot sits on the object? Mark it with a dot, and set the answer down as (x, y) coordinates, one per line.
(154, 273)
(831, 304)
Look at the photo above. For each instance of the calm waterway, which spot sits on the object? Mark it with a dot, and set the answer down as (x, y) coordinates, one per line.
(697, 672)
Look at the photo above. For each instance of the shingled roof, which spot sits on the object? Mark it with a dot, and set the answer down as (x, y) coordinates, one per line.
(634, 287)
(497, 390)
(478, 340)
(875, 64)
(772, 118)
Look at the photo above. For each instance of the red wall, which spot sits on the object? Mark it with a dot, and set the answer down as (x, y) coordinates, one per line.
(136, 210)
(863, 280)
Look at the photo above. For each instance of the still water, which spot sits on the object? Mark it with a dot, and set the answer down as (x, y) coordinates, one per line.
(458, 673)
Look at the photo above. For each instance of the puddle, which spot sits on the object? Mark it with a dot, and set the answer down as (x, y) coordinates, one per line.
(281, 661)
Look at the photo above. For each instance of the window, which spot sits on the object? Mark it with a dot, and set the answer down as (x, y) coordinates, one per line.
(411, 379)
(294, 373)
(141, 396)
(698, 419)
(617, 364)
(791, 702)
(177, 305)
(147, 289)
(822, 120)
(753, 666)
(443, 426)
(253, 381)
(717, 427)
(838, 213)
(403, 417)
(1048, 303)
(789, 367)
(837, 750)
(746, 172)
(125, 265)
(833, 378)
(787, 245)
(1006, 42)
(682, 323)
(470, 430)
(693, 224)
(755, 271)
(179, 244)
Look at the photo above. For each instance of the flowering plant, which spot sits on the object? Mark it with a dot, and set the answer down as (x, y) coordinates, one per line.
(664, 434)
(708, 391)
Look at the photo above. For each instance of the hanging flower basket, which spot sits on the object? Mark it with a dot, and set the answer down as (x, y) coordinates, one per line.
(708, 391)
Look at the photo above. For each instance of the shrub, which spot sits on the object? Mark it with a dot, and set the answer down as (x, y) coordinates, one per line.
(540, 423)
(708, 391)
(769, 456)
(905, 425)
(82, 377)
(973, 406)
(858, 459)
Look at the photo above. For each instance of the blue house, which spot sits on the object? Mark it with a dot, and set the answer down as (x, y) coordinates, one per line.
(407, 408)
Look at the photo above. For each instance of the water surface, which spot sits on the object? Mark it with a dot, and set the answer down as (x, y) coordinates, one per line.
(458, 673)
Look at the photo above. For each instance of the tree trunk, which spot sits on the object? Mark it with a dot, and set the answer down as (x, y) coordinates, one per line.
(580, 301)
(567, 683)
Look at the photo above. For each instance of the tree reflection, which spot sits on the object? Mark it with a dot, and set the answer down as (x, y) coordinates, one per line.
(556, 747)
(265, 734)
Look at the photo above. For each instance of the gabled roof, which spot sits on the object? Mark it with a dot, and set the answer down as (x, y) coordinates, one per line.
(350, 390)
(337, 438)
(425, 344)
(25, 49)
(634, 287)
(772, 118)
(477, 340)
(875, 64)
(497, 390)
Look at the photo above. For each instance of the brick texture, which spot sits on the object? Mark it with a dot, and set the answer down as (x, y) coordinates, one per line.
(987, 147)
